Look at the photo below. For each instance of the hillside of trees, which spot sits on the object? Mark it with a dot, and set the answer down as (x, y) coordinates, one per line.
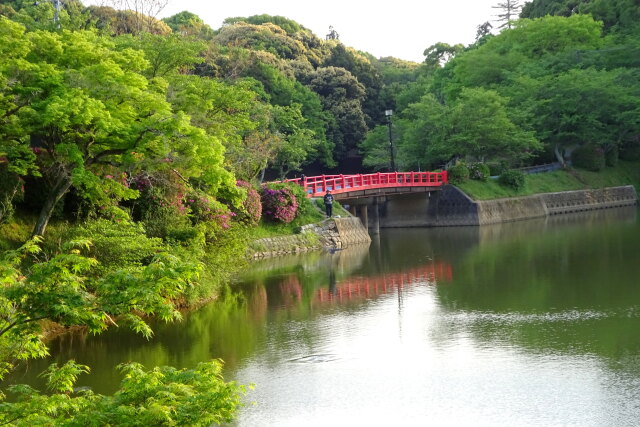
(132, 149)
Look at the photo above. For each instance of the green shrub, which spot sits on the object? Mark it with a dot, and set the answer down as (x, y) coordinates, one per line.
(497, 168)
(589, 157)
(458, 173)
(611, 156)
(630, 150)
(118, 244)
(479, 171)
(11, 190)
(513, 179)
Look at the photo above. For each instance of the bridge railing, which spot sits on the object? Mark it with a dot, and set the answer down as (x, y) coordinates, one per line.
(318, 185)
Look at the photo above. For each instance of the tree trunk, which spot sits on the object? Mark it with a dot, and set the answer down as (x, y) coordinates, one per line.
(559, 156)
(57, 192)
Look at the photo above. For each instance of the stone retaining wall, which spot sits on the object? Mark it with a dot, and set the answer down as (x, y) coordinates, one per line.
(333, 233)
(512, 209)
(576, 201)
(455, 208)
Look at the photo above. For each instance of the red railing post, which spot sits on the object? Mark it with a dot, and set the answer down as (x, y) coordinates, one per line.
(324, 184)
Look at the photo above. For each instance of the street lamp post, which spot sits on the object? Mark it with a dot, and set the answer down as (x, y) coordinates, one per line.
(389, 113)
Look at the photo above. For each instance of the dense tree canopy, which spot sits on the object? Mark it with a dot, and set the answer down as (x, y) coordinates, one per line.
(556, 80)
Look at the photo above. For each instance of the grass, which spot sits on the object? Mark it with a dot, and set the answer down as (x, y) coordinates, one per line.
(18, 228)
(338, 210)
(626, 173)
(312, 212)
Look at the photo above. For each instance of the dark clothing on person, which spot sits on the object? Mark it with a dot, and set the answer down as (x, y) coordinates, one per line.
(328, 204)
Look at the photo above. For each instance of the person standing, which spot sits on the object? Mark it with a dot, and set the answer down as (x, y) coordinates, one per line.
(328, 203)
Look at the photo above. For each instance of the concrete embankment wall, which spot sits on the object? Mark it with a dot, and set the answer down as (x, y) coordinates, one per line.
(455, 208)
(333, 233)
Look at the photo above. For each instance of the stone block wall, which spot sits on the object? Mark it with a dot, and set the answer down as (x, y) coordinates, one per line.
(455, 208)
(332, 233)
(513, 209)
(576, 201)
(452, 207)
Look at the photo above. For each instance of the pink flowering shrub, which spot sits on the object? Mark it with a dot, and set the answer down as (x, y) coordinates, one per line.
(204, 208)
(279, 205)
(252, 206)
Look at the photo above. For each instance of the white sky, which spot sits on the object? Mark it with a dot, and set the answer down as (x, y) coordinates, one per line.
(399, 28)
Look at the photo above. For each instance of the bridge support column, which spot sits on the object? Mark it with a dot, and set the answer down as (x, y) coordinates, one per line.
(364, 216)
(375, 225)
(352, 210)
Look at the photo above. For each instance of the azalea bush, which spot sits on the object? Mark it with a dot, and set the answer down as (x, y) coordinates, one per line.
(479, 171)
(252, 206)
(204, 208)
(279, 205)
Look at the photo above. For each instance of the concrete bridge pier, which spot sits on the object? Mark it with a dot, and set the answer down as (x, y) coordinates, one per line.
(364, 216)
(375, 223)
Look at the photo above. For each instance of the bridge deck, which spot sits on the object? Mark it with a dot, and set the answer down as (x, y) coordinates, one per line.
(316, 186)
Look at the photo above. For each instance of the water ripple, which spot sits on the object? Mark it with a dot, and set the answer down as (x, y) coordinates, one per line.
(557, 317)
(315, 358)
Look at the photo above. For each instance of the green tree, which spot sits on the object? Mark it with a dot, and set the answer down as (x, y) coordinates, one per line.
(482, 129)
(440, 53)
(91, 107)
(366, 73)
(66, 289)
(587, 106)
(166, 54)
(189, 24)
(342, 95)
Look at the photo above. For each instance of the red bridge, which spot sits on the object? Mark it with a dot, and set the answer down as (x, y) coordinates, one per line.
(360, 185)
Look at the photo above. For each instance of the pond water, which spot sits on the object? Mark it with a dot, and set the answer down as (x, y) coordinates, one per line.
(528, 323)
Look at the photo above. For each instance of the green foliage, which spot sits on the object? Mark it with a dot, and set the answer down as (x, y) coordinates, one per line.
(615, 14)
(590, 157)
(80, 86)
(496, 168)
(117, 245)
(61, 379)
(458, 173)
(562, 180)
(11, 190)
(479, 171)
(189, 24)
(342, 95)
(376, 150)
(611, 156)
(513, 179)
(482, 129)
(166, 54)
(630, 150)
(160, 396)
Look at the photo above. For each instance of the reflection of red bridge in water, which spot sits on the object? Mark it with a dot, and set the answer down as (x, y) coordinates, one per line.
(366, 287)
